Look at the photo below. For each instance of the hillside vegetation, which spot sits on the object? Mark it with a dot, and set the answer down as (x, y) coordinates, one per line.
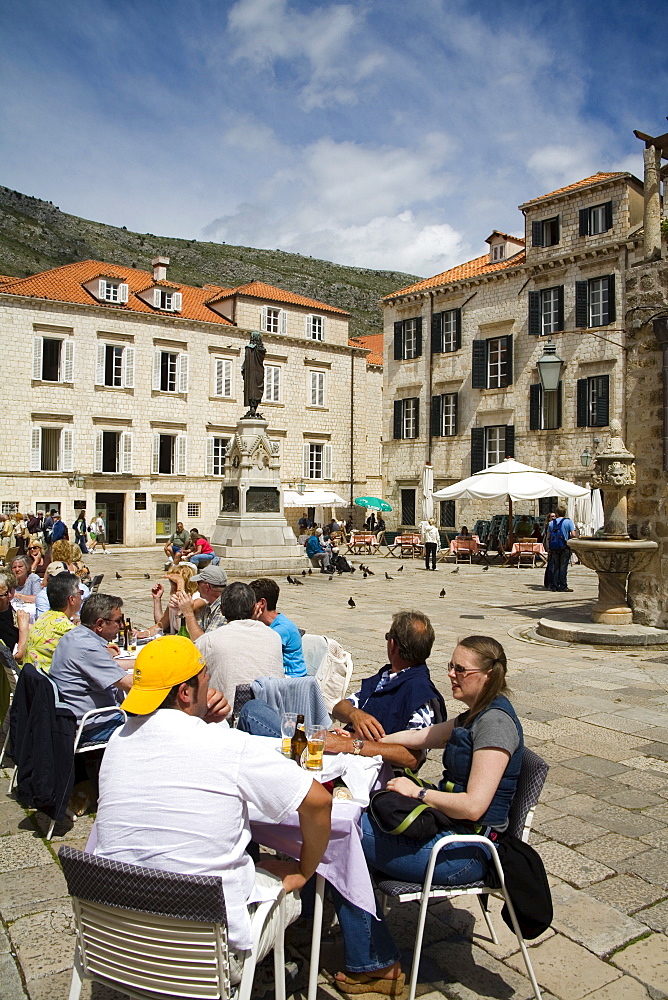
(35, 235)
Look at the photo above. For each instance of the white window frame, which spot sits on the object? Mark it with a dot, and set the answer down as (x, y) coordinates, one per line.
(498, 252)
(179, 460)
(410, 339)
(274, 320)
(549, 310)
(596, 221)
(65, 364)
(65, 449)
(317, 463)
(495, 445)
(216, 448)
(316, 394)
(315, 327)
(272, 384)
(448, 415)
(599, 301)
(410, 412)
(449, 331)
(222, 378)
(497, 362)
(112, 291)
(178, 377)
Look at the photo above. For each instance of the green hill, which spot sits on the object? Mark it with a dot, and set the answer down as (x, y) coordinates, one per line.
(35, 235)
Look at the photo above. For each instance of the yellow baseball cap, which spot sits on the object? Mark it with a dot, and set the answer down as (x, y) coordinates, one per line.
(160, 665)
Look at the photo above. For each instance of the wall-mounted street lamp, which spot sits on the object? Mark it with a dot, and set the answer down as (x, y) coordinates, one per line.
(585, 458)
(76, 479)
(549, 367)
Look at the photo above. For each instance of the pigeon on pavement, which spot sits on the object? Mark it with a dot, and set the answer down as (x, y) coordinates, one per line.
(351, 603)
(456, 569)
(442, 594)
(388, 577)
(118, 576)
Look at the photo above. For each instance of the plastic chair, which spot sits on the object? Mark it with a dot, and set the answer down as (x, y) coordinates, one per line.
(465, 550)
(95, 583)
(532, 777)
(314, 648)
(146, 932)
(526, 554)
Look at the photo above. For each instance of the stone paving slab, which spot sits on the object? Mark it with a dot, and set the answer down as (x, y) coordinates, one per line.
(30, 890)
(571, 866)
(44, 942)
(596, 926)
(625, 988)
(567, 969)
(627, 892)
(611, 849)
(571, 831)
(652, 866)
(647, 960)
(655, 916)
(23, 850)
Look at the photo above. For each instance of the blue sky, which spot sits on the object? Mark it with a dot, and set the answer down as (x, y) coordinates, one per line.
(382, 133)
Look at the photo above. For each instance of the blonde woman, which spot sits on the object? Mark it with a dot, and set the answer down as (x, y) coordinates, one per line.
(169, 620)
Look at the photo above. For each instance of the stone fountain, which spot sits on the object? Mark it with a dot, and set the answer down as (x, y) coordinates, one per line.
(614, 554)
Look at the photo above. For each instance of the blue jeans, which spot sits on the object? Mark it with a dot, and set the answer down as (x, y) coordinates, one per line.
(559, 561)
(368, 942)
(259, 719)
(208, 557)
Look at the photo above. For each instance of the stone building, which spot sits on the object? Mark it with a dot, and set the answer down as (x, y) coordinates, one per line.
(124, 387)
(461, 386)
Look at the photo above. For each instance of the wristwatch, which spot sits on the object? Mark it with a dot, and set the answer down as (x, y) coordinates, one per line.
(358, 746)
(421, 794)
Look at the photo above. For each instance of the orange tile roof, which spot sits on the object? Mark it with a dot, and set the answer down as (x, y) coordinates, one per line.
(498, 232)
(594, 179)
(471, 269)
(373, 343)
(259, 290)
(6, 277)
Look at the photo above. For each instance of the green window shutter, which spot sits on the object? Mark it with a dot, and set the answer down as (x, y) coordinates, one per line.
(582, 401)
(510, 441)
(612, 311)
(534, 314)
(436, 409)
(418, 337)
(436, 333)
(398, 419)
(479, 364)
(509, 360)
(536, 234)
(398, 340)
(477, 449)
(584, 222)
(535, 399)
(560, 306)
(581, 305)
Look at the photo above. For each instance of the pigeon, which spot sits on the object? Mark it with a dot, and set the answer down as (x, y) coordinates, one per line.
(310, 572)
(118, 576)
(147, 576)
(330, 578)
(442, 594)
(388, 577)
(485, 568)
(456, 569)
(290, 580)
(303, 572)
(369, 571)
(298, 583)
(351, 603)
(364, 575)
(401, 568)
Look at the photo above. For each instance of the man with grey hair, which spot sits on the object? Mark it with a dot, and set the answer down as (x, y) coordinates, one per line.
(245, 648)
(64, 604)
(84, 668)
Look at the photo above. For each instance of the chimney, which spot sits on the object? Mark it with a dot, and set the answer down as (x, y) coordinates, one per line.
(160, 268)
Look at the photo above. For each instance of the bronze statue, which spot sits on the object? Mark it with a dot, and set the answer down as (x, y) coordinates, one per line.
(252, 372)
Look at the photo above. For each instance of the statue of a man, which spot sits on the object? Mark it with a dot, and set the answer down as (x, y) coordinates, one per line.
(252, 372)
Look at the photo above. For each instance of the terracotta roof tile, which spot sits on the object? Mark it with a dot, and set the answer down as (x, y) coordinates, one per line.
(66, 284)
(515, 239)
(471, 269)
(594, 179)
(372, 343)
(259, 290)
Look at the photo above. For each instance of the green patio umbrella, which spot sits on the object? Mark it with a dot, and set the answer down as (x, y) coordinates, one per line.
(372, 503)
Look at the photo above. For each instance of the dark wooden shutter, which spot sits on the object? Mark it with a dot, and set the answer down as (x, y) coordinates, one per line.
(612, 311)
(608, 215)
(510, 441)
(534, 314)
(417, 418)
(479, 364)
(560, 392)
(602, 400)
(436, 409)
(455, 400)
(398, 340)
(535, 399)
(536, 234)
(398, 419)
(458, 329)
(560, 307)
(582, 401)
(582, 306)
(556, 226)
(584, 222)
(477, 449)
(509, 361)
(418, 337)
(437, 333)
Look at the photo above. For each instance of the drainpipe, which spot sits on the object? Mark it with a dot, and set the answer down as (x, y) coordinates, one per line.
(427, 338)
(660, 327)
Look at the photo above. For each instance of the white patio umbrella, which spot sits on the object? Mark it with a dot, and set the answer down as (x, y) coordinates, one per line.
(427, 492)
(510, 480)
(312, 498)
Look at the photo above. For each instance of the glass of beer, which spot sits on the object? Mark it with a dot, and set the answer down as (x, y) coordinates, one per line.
(288, 722)
(315, 736)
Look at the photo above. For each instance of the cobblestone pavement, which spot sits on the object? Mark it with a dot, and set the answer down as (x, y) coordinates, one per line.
(600, 719)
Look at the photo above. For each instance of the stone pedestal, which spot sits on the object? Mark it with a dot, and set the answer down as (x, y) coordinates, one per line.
(252, 536)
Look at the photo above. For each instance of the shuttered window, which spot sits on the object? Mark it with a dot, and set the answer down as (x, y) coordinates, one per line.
(446, 331)
(444, 415)
(492, 363)
(316, 394)
(544, 408)
(406, 418)
(408, 339)
(593, 401)
(222, 377)
(272, 384)
(215, 455)
(317, 461)
(596, 220)
(490, 445)
(546, 311)
(595, 302)
(545, 233)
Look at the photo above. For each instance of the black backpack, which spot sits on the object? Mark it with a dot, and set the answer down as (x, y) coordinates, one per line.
(527, 886)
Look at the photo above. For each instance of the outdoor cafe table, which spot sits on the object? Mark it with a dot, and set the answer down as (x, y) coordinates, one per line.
(535, 547)
(362, 542)
(343, 864)
(472, 544)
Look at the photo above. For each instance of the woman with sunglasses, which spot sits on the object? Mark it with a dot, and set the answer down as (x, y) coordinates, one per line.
(38, 561)
(481, 759)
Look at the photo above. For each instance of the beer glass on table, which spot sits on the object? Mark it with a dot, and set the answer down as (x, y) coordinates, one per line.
(288, 722)
(315, 736)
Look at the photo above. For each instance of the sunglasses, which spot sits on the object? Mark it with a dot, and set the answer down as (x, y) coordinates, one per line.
(462, 671)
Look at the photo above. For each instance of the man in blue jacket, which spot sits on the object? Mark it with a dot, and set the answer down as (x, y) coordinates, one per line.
(401, 695)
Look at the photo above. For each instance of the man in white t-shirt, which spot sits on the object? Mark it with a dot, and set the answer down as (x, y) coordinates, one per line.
(245, 648)
(174, 792)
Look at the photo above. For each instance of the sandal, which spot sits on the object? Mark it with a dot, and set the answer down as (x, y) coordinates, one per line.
(361, 982)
